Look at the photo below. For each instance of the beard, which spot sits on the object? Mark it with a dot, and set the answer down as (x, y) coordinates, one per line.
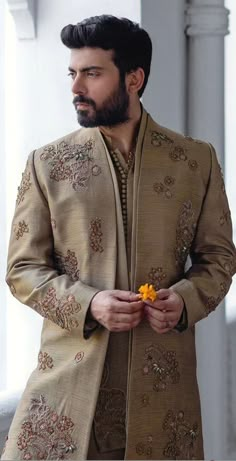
(113, 111)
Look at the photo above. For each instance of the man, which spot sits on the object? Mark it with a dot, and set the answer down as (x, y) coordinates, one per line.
(119, 203)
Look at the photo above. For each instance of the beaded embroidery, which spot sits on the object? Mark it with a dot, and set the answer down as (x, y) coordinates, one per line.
(162, 365)
(182, 436)
(20, 229)
(67, 264)
(73, 163)
(59, 310)
(45, 434)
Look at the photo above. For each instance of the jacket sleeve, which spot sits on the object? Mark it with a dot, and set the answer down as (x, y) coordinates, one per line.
(31, 272)
(213, 254)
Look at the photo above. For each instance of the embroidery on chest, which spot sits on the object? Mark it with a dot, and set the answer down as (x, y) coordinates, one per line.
(74, 163)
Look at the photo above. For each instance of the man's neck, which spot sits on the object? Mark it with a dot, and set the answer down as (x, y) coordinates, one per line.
(123, 136)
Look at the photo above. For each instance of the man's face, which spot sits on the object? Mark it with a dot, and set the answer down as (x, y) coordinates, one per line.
(100, 98)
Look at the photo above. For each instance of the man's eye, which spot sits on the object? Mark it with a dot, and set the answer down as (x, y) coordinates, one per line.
(92, 74)
(71, 74)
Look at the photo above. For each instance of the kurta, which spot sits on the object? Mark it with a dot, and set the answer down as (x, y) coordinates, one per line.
(68, 242)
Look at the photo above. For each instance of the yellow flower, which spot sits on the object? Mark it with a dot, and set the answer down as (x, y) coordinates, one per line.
(147, 292)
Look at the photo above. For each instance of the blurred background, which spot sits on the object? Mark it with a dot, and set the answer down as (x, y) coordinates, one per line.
(191, 89)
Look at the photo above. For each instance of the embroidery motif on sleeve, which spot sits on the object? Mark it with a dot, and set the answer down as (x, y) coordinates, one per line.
(67, 264)
(59, 310)
(20, 229)
(162, 365)
(73, 163)
(230, 266)
(156, 277)
(95, 235)
(45, 434)
(189, 138)
(225, 218)
(45, 361)
(213, 301)
(185, 232)
(182, 436)
(24, 187)
(79, 357)
(145, 448)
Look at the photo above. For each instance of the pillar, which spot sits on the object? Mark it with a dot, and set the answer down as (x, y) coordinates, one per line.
(207, 25)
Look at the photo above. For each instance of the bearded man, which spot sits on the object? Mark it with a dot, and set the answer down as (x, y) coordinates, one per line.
(119, 203)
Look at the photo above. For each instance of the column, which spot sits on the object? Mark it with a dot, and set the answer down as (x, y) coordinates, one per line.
(207, 24)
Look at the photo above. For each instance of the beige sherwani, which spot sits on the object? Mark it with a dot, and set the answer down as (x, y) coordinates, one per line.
(68, 242)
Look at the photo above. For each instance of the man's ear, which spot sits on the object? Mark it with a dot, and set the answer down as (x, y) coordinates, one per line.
(134, 80)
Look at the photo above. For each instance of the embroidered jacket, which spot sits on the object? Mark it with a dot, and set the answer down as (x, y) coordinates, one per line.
(68, 242)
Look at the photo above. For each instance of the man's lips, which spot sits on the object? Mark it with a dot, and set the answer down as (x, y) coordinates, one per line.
(81, 105)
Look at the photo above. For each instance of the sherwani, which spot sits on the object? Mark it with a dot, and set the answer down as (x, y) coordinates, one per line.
(67, 243)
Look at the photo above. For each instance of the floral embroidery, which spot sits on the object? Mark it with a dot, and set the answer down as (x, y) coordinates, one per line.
(161, 188)
(109, 419)
(67, 264)
(156, 276)
(45, 361)
(178, 153)
(145, 448)
(145, 401)
(162, 364)
(193, 165)
(79, 357)
(185, 232)
(230, 266)
(189, 138)
(20, 229)
(212, 302)
(182, 436)
(45, 434)
(225, 217)
(59, 310)
(95, 235)
(53, 223)
(157, 139)
(73, 163)
(24, 186)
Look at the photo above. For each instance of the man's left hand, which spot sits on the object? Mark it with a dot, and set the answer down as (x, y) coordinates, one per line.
(164, 313)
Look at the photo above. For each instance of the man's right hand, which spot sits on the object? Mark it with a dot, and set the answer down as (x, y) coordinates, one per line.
(117, 310)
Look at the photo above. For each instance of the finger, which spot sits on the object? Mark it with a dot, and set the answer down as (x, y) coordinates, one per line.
(127, 318)
(127, 308)
(163, 293)
(160, 327)
(161, 316)
(128, 296)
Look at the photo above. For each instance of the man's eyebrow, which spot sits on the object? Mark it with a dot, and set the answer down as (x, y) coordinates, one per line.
(86, 69)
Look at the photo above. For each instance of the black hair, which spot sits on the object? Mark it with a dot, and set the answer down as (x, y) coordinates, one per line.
(131, 45)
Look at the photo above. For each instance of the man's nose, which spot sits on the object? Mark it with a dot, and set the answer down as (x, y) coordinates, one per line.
(78, 86)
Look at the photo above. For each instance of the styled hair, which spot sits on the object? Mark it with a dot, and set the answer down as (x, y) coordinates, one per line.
(131, 45)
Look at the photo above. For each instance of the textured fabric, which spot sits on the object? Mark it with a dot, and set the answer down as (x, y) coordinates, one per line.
(68, 242)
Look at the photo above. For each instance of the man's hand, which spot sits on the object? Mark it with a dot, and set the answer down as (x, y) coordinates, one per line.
(117, 310)
(164, 313)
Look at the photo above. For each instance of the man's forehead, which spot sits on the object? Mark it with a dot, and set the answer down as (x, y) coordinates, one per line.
(86, 57)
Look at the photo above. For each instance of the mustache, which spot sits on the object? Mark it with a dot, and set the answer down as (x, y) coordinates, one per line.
(85, 100)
